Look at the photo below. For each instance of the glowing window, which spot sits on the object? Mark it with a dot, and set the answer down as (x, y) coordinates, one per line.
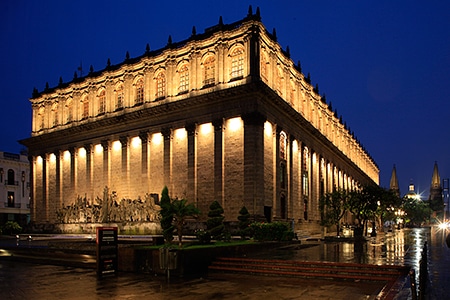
(120, 97)
(139, 92)
(209, 71)
(237, 63)
(69, 111)
(283, 145)
(85, 108)
(184, 79)
(39, 159)
(102, 102)
(160, 85)
(52, 157)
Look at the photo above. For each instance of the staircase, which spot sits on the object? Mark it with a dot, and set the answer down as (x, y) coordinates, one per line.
(394, 276)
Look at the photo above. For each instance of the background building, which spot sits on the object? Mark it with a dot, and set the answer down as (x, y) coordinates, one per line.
(14, 188)
(224, 115)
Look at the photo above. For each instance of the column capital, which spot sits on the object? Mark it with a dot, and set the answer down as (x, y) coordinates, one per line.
(254, 118)
(143, 135)
(190, 128)
(218, 124)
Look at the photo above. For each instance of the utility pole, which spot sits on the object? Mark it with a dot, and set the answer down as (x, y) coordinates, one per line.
(445, 196)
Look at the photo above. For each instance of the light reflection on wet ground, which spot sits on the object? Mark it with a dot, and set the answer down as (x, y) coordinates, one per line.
(400, 247)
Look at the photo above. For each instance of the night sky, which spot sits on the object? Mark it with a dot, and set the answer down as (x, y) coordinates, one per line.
(384, 65)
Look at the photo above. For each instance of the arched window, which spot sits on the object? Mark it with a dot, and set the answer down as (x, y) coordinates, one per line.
(183, 72)
(69, 111)
(55, 114)
(237, 63)
(102, 102)
(139, 92)
(119, 97)
(11, 177)
(85, 113)
(160, 85)
(209, 71)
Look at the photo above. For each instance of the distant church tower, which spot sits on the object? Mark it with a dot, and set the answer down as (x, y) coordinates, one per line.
(393, 186)
(436, 201)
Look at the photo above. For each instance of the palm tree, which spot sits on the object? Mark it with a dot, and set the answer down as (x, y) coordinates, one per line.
(181, 210)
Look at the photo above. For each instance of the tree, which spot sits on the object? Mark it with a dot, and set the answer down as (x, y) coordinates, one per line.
(214, 224)
(166, 216)
(181, 210)
(244, 222)
(364, 204)
(333, 207)
(416, 211)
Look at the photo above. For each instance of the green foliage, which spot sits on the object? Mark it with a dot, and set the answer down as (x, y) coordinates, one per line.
(416, 212)
(181, 210)
(244, 223)
(166, 216)
(11, 227)
(333, 207)
(214, 224)
(203, 237)
(276, 231)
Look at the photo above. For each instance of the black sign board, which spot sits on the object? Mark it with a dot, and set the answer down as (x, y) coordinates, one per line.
(107, 250)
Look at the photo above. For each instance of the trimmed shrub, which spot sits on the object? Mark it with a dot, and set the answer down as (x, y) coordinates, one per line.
(276, 231)
(214, 224)
(244, 223)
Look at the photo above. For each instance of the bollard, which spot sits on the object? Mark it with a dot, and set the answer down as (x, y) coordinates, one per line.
(423, 273)
(412, 279)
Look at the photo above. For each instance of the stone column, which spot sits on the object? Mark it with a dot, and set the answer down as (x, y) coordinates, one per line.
(124, 184)
(218, 161)
(143, 135)
(58, 192)
(254, 163)
(88, 182)
(191, 193)
(44, 187)
(167, 136)
(106, 177)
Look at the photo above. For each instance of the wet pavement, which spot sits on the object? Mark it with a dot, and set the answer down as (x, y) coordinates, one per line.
(19, 280)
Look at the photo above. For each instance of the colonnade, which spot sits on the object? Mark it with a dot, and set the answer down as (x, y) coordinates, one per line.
(237, 161)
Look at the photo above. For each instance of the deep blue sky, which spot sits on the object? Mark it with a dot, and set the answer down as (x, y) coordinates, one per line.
(384, 65)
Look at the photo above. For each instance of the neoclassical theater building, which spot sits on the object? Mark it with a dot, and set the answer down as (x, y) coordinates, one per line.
(223, 115)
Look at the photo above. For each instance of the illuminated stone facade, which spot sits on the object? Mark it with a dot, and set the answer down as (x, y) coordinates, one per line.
(223, 115)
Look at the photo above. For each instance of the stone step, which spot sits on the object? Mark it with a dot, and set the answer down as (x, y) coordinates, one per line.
(309, 269)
